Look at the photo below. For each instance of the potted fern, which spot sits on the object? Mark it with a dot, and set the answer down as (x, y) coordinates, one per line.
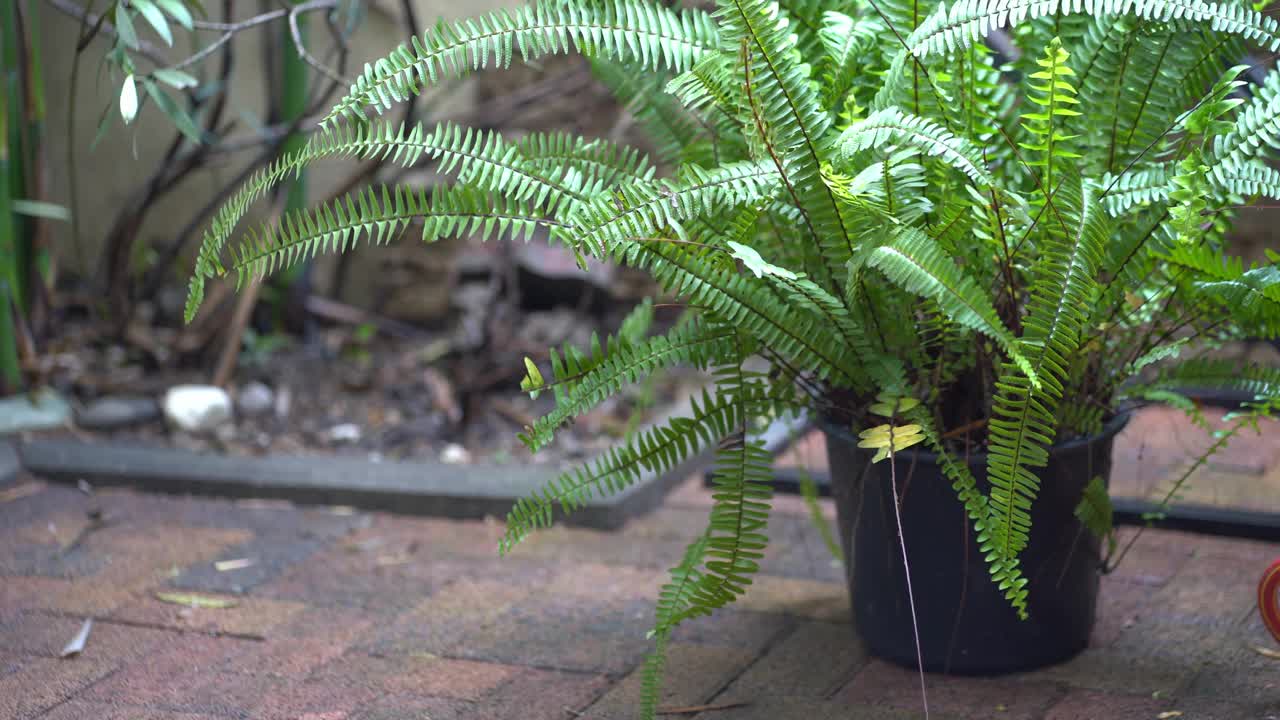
(957, 265)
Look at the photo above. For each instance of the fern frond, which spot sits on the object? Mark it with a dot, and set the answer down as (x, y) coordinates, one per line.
(914, 262)
(658, 450)
(1051, 90)
(891, 125)
(639, 33)
(379, 216)
(674, 599)
(1257, 127)
(1137, 189)
(578, 389)
(846, 42)
(1022, 425)
(640, 210)
(674, 134)
(794, 122)
(601, 162)
(1252, 295)
(968, 21)
(737, 526)
(746, 303)
(1260, 381)
(481, 159)
(1094, 510)
(1251, 179)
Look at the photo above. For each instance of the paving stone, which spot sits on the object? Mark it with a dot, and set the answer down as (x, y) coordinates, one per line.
(1080, 704)
(415, 708)
(253, 617)
(1112, 671)
(595, 581)
(789, 667)
(1121, 604)
(312, 700)
(541, 694)
(272, 554)
(48, 560)
(693, 675)
(611, 548)
(1218, 589)
(1154, 558)
(146, 555)
(777, 707)
(340, 580)
(41, 504)
(85, 598)
(44, 635)
(30, 685)
(417, 675)
(280, 539)
(564, 634)
(751, 631)
(77, 710)
(1234, 668)
(809, 599)
(184, 675)
(27, 632)
(882, 684)
(305, 641)
(796, 549)
(437, 624)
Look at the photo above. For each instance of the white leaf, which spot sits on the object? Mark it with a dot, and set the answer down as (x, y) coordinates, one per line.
(128, 100)
(175, 78)
(76, 646)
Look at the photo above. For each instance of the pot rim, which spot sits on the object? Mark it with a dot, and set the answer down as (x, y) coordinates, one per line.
(1109, 430)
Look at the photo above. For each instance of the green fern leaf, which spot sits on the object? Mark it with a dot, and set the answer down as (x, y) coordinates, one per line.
(694, 344)
(968, 21)
(639, 33)
(1022, 426)
(913, 261)
(659, 450)
(893, 126)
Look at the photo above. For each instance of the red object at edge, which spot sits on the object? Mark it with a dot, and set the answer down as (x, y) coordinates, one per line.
(1269, 599)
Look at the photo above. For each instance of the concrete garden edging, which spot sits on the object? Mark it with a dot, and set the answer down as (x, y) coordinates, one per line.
(413, 488)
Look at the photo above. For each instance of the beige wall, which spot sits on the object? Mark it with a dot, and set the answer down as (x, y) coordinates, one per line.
(120, 163)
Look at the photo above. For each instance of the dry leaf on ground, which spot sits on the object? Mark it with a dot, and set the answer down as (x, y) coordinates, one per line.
(196, 601)
(76, 646)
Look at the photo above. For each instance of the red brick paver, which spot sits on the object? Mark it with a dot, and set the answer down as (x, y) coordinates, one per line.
(374, 616)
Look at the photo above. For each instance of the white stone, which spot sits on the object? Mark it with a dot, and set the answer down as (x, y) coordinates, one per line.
(455, 454)
(346, 432)
(196, 408)
(255, 399)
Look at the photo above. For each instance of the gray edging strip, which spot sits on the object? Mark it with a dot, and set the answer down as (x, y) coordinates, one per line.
(9, 465)
(413, 488)
(410, 488)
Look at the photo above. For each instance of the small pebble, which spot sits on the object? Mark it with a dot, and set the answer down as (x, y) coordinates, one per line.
(109, 413)
(455, 454)
(346, 432)
(255, 399)
(284, 403)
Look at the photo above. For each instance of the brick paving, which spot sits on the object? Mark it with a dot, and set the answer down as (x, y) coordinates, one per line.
(355, 616)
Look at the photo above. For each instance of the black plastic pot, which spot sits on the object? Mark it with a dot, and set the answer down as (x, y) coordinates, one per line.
(966, 625)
